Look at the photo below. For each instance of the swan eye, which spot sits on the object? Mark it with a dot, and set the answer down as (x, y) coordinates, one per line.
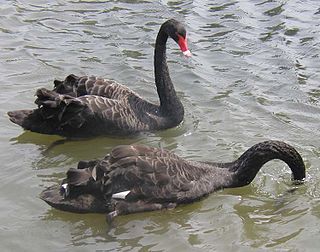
(180, 35)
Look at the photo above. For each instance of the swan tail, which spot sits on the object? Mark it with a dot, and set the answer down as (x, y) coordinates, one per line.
(57, 114)
(79, 177)
(68, 86)
(86, 164)
(30, 120)
(83, 203)
(47, 98)
(87, 174)
(19, 116)
(80, 191)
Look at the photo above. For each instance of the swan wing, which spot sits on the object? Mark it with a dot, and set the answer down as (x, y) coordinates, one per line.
(91, 85)
(90, 113)
(117, 114)
(151, 174)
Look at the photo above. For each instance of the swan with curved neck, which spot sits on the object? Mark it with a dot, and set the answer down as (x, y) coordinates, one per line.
(135, 178)
(89, 106)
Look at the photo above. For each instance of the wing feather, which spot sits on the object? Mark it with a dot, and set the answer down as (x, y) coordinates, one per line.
(91, 85)
(150, 173)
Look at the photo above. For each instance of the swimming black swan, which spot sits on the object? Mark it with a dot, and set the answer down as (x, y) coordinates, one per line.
(90, 106)
(135, 178)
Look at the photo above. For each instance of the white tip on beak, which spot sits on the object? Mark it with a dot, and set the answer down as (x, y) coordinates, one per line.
(187, 53)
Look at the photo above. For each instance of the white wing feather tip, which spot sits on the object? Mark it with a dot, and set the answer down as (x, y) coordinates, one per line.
(120, 195)
(94, 174)
(65, 186)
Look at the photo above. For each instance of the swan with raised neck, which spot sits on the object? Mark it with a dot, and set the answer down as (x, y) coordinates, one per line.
(89, 106)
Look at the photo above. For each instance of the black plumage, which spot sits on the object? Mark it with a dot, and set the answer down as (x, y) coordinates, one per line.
(135, 178)
(91, 106)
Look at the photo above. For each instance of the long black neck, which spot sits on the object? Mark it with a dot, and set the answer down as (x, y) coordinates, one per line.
(247, 166)
(170, 105)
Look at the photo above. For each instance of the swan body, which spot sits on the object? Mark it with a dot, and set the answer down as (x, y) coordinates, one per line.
(90, 106)
(136, 178)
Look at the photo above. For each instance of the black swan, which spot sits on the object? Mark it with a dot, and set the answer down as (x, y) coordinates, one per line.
(91, 106)
(136, 178)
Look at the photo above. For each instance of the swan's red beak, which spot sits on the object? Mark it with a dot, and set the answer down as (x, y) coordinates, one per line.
(182, 42)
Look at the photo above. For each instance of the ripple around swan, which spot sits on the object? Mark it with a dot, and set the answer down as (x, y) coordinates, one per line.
(254, 75)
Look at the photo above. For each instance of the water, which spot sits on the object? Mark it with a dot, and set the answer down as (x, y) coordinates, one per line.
(254, 75)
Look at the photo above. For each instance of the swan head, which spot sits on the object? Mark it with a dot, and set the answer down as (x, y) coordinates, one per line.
(178, 33)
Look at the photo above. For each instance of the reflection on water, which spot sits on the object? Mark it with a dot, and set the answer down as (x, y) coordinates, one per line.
(254, 75)
(130, 232)
(266, 215)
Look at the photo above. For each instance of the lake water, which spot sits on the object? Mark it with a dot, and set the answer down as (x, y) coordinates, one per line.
(254, 75)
